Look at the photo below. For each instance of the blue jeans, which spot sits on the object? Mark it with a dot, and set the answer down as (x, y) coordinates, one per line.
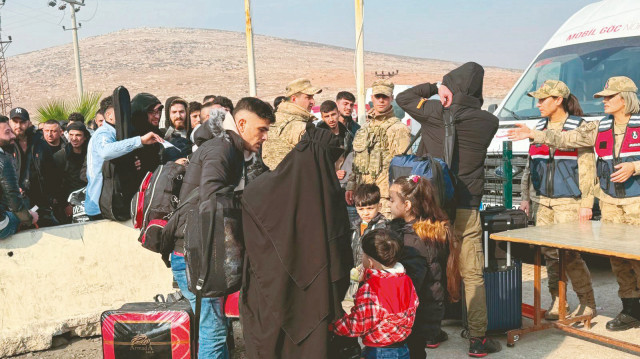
(213, 324)
(386, 353)
(11, 226)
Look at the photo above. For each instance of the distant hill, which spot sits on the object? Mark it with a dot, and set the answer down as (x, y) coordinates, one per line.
(194, 62)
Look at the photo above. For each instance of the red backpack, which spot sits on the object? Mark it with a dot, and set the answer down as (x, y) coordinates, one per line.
(155, 202)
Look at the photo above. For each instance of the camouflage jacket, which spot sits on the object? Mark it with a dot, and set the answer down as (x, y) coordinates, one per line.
(586, 175)
(375, 144)
(285, 133)
(585, 136)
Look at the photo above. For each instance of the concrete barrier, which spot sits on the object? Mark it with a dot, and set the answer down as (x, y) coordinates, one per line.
(58, 280)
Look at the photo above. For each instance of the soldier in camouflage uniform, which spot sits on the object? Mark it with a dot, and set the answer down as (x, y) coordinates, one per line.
(375, 144)
(292, 118)
(560, 184)
(615, 139)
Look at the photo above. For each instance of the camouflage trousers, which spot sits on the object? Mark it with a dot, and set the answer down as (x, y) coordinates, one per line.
(574, 266)
(468, 228)
(627, 271)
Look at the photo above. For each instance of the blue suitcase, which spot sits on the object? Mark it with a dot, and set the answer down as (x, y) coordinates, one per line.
(502, 277)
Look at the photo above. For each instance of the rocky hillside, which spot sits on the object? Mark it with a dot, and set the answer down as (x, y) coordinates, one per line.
(193, 62)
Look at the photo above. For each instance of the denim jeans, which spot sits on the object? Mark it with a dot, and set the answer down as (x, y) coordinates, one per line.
(11, 225)
(213, 324)
(386, 353)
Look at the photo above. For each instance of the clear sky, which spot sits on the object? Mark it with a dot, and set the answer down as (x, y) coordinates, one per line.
(506, 33)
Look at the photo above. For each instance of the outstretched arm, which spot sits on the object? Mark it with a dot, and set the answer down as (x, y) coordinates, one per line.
(583, 136)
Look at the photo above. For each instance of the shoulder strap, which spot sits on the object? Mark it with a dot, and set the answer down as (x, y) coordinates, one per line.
(449, 136)
(542, 124)
(413, 141)
(606, 123)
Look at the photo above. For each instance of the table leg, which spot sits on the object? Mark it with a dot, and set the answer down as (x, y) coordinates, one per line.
(562, 286)
(537, 280)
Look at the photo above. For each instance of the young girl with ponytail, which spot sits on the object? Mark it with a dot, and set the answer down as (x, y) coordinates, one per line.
(430, 257)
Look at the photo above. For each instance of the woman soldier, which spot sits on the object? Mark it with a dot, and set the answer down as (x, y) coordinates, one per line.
(616, 139)
(561, 185)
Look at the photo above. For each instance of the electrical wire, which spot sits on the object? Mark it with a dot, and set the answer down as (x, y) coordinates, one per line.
(95, 11)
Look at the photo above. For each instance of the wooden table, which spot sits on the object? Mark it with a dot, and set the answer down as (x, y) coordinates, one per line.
(611, 240)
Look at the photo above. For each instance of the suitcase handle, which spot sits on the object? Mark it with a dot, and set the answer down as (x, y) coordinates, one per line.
(159, 298)
(486, 246)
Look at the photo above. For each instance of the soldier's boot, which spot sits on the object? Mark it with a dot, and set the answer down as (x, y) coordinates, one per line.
(587, 305)
(628, 318)
(553, 313)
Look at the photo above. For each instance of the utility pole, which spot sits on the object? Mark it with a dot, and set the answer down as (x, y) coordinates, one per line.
(362, 107)
(5, 93)
(251, 62)
(75, 27)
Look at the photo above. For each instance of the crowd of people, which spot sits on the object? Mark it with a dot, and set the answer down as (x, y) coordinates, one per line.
(410, 256)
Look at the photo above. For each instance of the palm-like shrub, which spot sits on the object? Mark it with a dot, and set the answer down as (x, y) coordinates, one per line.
(60, 110)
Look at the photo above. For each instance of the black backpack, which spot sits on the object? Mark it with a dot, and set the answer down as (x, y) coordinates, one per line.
(214, 245)
(155, 202)
(115, 198)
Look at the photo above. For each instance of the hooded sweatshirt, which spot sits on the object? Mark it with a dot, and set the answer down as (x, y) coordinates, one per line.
(149, 155)
(475, 127)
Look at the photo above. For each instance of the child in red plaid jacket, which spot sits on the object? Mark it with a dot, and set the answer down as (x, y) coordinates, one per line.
(385, 305)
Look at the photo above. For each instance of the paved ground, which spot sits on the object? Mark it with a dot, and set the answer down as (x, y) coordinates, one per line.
(546, 344)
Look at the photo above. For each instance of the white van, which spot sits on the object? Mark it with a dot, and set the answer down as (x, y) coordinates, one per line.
(599, 41)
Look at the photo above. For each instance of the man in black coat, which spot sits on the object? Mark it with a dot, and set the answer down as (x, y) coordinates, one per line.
(461, 97)
(34, 165)
(298, 253)
(69, 162)
(224, 158)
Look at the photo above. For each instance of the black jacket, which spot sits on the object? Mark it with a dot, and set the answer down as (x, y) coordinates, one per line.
(298, 256)
(10, 197)
(148, 155)
(68, 168)
(217, 163)
(425, 263)
(475, 128)
(35, 169)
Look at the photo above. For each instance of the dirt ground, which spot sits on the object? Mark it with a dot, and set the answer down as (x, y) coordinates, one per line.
(545, 344)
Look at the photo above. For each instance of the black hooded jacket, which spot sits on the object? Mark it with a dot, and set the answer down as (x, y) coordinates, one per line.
(475, 127)
(149, 155)
(298, 253)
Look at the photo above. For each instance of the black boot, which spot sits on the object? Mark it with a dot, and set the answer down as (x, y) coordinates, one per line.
(481, 346)
(628, 318)
(435, 342)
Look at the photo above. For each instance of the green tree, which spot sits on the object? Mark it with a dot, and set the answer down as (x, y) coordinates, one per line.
(60, 110)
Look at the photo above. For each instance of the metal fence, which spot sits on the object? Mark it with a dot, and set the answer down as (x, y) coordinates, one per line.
(502, 176)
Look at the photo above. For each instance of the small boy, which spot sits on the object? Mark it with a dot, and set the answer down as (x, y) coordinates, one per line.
(386, 303)
(366, 198)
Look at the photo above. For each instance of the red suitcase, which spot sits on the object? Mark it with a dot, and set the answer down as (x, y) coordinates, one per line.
(149, 331)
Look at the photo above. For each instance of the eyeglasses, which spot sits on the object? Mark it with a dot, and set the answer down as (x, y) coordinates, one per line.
(156, 112)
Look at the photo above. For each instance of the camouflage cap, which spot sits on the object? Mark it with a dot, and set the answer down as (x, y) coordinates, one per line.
(382, 87)
(551, 88)
(301, 85)
(615, 85)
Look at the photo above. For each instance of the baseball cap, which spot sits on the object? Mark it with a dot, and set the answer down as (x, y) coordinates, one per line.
(551, 88)
(382, 87)
(615, 85)
(20, 113)
(301, 85)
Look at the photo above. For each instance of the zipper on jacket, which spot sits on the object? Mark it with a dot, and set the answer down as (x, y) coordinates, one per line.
(551, 169)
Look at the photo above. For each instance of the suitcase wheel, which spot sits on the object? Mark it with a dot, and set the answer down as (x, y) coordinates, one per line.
(465, 333)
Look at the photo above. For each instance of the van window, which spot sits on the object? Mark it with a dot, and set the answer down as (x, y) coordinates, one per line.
(585, 68)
